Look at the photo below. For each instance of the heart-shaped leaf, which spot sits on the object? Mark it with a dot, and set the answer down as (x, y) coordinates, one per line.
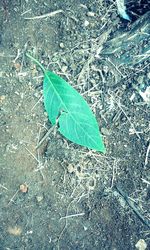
(76, 121)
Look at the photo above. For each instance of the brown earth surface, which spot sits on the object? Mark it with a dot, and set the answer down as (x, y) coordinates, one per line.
(71, 197)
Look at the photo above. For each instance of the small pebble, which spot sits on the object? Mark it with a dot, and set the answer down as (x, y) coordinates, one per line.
(90, 14)
(61, 45)
(148, 75)
(141, 244)
(86, 23)
(71, 169)
(2, 98)
(23, 188)
(140, 79)
(64, 68)
(105, 131)
(39, 198)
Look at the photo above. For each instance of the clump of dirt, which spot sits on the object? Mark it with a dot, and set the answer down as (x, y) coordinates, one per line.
(61, 195)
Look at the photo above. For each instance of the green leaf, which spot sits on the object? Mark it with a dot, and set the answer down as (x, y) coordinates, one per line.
(76, 121)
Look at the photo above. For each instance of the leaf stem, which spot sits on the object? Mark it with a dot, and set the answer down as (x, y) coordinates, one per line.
(36, 61)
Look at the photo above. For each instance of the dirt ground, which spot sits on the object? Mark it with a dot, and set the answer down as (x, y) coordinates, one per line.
(61, 195)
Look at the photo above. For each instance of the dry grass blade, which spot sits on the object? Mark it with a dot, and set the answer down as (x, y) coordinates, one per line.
(51, 14)
(45, 137)
(147, 153)
(131, 204)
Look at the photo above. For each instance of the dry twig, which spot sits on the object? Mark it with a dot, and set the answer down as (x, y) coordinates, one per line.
(51, 14)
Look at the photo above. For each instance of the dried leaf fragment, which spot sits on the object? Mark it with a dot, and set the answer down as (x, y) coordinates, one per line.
(16, 231)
